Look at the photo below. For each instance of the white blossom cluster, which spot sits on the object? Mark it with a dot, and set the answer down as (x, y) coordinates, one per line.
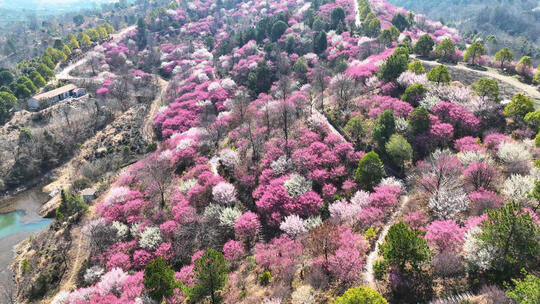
(447, 203)
(297, 185)
(229, 216)
(93, 274)
(476, 252)
(515, 155)
(122, 230)
(228, 84)
(293, 226)
(392, 181)
(360, 198)
(430, 101)
(150, 238)
(224, 193)
(517, 187)
(409, 78)
(61, 298)
(229, 158)
(304, 294)
(317, 121)
(313, 222)
(188, 184)
(342, 212)
(475, 156)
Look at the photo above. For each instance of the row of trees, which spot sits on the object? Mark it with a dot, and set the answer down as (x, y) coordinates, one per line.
(446, 52)
(34, 73)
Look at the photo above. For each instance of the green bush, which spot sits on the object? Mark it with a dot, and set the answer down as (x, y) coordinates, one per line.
(361, 295)
(370, 171)
(379, 270)
(71, 203)
(265, 278)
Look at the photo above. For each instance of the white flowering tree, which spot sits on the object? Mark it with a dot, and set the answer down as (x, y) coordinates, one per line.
(224, 193)
(293, 226)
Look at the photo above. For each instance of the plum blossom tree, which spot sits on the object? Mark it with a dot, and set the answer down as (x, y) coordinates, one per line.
(233, 251)
(224, 193)
(444, 235)
(516, 156)
(150, 238)
(342, 212)
(480, 175)
(446, 203)
(343, 88)
(348, 260)
(296, 185)
(247, 226)
(279, 256)
(293, 226)
(518, 187)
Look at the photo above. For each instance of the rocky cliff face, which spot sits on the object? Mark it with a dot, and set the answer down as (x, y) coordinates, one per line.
(33, 143)
(53, 260)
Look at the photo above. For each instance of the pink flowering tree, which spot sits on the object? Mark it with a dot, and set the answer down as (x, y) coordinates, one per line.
(445, 235)
(247, 227)
(279, 256)
(480, 175)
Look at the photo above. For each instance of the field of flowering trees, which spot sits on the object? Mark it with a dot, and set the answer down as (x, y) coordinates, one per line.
(291, 136)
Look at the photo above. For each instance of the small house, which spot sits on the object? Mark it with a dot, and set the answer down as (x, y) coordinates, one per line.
(54, 96)
(88, 195)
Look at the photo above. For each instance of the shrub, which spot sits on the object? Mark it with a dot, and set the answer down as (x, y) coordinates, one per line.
(414, 93)
(439, 74)
(393, 67)
(520, 106)
(424, 45)
(445, 50)
(403, 246)
(419, 121)
(526, 291)
(81, 183)
(159, 279)
(360, 295)
(399, 150)
(71, 203)
(417, 68)
(370, 171)
(384, 127)
(211, 271)
(265, 278)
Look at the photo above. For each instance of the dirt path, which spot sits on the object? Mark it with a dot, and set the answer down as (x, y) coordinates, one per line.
(147, 130)
(372, 256)
(213, 164)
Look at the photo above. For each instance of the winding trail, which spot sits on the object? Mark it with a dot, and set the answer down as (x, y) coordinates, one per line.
(213, 164)
(147, 130)
(65, 73)
(372, 256)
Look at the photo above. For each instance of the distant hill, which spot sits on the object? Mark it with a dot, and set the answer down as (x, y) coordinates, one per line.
(514, 23)
(51, 6)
